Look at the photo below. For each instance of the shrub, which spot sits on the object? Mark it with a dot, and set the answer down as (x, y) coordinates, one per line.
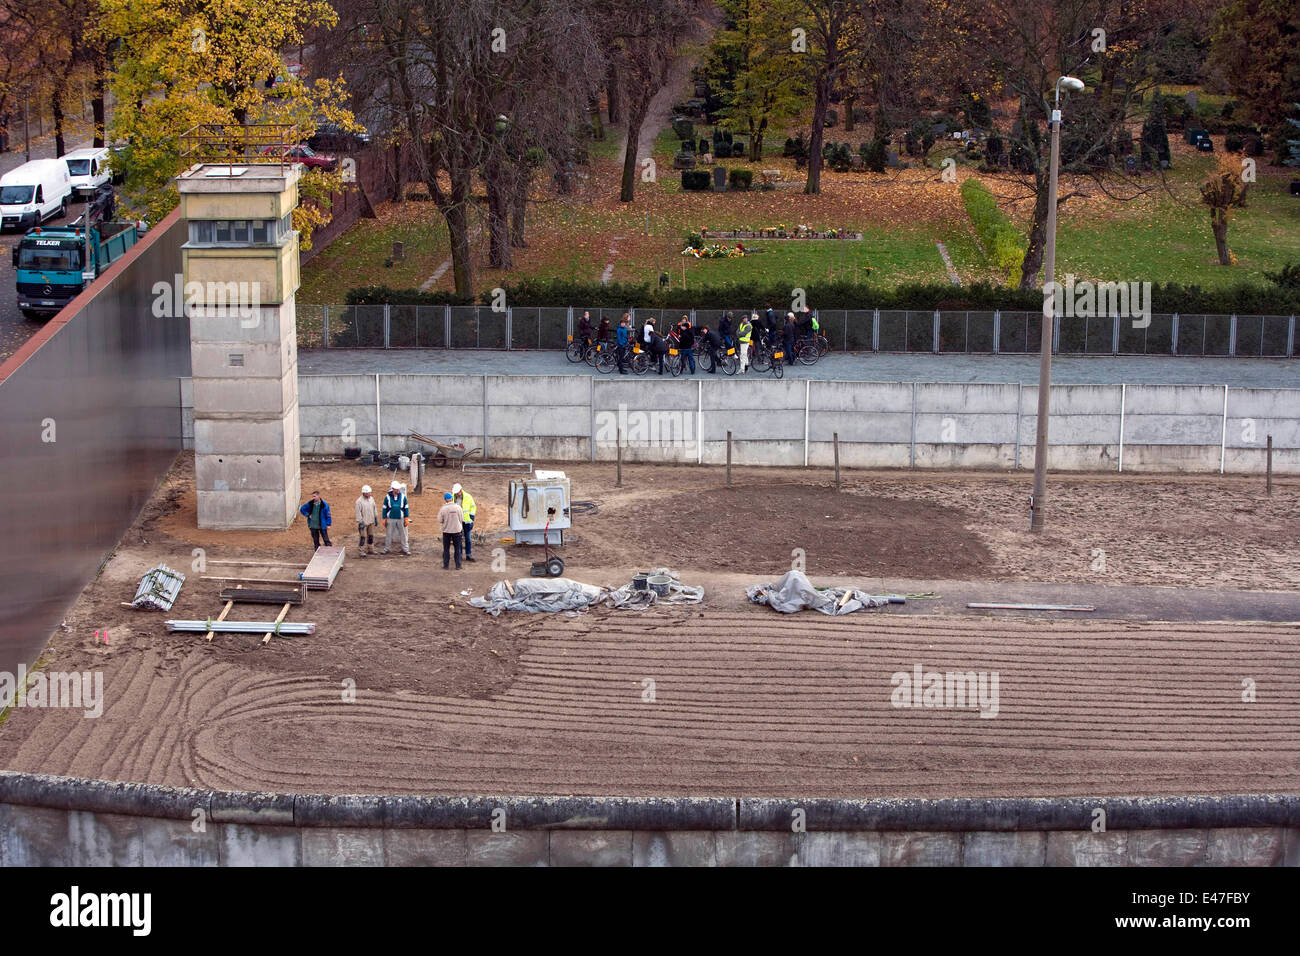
(684, 128)
(722, 150)
(695, 179)
(741, 178)
(1002, 241)
(1233, 143)
(1245, 298)
(688, 146)
(873, 153)
(684, 160)
(993, 148)
(704, 146)
(694, 240)
(1253, 145)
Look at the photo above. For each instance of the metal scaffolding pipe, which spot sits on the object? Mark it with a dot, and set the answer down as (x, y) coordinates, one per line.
(243, 627)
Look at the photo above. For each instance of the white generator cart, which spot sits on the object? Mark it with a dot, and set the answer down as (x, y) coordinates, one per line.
(539, 508)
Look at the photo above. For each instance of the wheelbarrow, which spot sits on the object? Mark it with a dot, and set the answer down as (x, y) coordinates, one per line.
(551, 565)
(443, 453)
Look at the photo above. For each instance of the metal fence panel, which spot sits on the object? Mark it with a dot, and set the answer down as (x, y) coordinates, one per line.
(858, 330)
(431, 327)
(1218, 335)
(491, 328)
(952, 331)
(1099, 335)
(920, 332)
(553, 324)
(357, 326)
(893, 331)
(979, 331)
(403, 326)
(464, 327)
(1013, 333)
(1159, 335)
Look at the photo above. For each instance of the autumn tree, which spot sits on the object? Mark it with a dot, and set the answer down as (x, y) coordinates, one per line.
(827, 35)
(179, 65)
(751, 61)
(643, 37)
(1223, 192)
(1256, 46)
(1020, 53)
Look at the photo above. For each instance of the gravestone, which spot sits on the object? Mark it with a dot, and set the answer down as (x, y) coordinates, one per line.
(720, 178)
(398, 252)
(1191, 99)
(891, 158)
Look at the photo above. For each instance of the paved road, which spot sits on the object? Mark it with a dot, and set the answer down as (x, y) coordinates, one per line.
(883, 367)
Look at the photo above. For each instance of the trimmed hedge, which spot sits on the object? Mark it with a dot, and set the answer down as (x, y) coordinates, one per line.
(1243, 298)
(741, 178)
(1002, 240)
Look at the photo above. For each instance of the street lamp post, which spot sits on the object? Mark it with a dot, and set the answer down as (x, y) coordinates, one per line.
(1039, 500)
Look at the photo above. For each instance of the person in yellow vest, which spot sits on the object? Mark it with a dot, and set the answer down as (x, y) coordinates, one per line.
(745, 335)
(467, 510)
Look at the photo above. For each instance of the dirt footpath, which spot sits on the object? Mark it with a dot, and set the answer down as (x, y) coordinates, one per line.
(450, 699)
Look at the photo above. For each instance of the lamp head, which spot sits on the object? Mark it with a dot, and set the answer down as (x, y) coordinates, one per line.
(1071, 83)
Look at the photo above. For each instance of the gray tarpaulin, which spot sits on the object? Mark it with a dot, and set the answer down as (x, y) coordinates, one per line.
(562, 594)
(795, 592)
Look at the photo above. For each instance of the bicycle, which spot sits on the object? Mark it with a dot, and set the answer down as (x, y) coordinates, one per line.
(823, 343)
(730, 361)
(606, 361)
(576, 351)
(805, 352)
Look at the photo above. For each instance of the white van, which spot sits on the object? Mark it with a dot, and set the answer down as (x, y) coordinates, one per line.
(88, 169)
(33, 193)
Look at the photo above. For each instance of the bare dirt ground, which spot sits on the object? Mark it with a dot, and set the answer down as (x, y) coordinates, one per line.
(449, 699)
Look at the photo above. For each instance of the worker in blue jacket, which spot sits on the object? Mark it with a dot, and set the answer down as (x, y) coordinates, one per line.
(317, 511)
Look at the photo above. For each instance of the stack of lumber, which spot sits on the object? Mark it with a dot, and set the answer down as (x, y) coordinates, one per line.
(323, 569)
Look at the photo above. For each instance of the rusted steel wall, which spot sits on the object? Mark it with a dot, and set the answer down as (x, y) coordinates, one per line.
(89, 422)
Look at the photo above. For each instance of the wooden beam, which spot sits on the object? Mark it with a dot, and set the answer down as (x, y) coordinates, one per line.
(283, 611)
(221, 617)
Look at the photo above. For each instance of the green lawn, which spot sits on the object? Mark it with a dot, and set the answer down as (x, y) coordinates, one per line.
(1170, 240)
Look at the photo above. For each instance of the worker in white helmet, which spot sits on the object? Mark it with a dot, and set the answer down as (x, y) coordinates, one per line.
(467, 510)
(367, 522)
(396, 516)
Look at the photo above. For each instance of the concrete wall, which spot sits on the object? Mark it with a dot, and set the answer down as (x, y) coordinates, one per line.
(58, 821)
(88, 418)
(792, 422)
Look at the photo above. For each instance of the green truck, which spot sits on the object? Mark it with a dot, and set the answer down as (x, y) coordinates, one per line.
(55, 263)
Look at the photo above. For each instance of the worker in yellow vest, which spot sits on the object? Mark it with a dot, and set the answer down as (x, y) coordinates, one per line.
(467, 510)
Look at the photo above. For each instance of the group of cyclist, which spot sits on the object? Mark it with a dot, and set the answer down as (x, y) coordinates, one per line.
(754, 335)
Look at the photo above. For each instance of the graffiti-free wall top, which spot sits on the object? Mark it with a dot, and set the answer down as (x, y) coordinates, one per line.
(240, 227)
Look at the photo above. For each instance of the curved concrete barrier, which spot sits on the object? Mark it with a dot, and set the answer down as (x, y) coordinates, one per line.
(48, 820)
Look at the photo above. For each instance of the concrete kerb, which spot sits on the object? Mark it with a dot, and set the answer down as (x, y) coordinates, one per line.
(1023, 814)
(647, 813)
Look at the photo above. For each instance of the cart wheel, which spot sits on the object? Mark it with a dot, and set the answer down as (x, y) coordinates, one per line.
(440, 461)
(555, 567)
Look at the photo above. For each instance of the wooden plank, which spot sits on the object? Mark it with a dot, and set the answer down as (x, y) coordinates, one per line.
(255, 564)
(221, 617)
(229, 577)
(283, 611)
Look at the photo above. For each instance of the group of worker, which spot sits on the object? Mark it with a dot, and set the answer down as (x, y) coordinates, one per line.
(730, 333)
(455, 520)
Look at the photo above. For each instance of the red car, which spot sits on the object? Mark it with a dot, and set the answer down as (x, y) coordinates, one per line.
(304, 154)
